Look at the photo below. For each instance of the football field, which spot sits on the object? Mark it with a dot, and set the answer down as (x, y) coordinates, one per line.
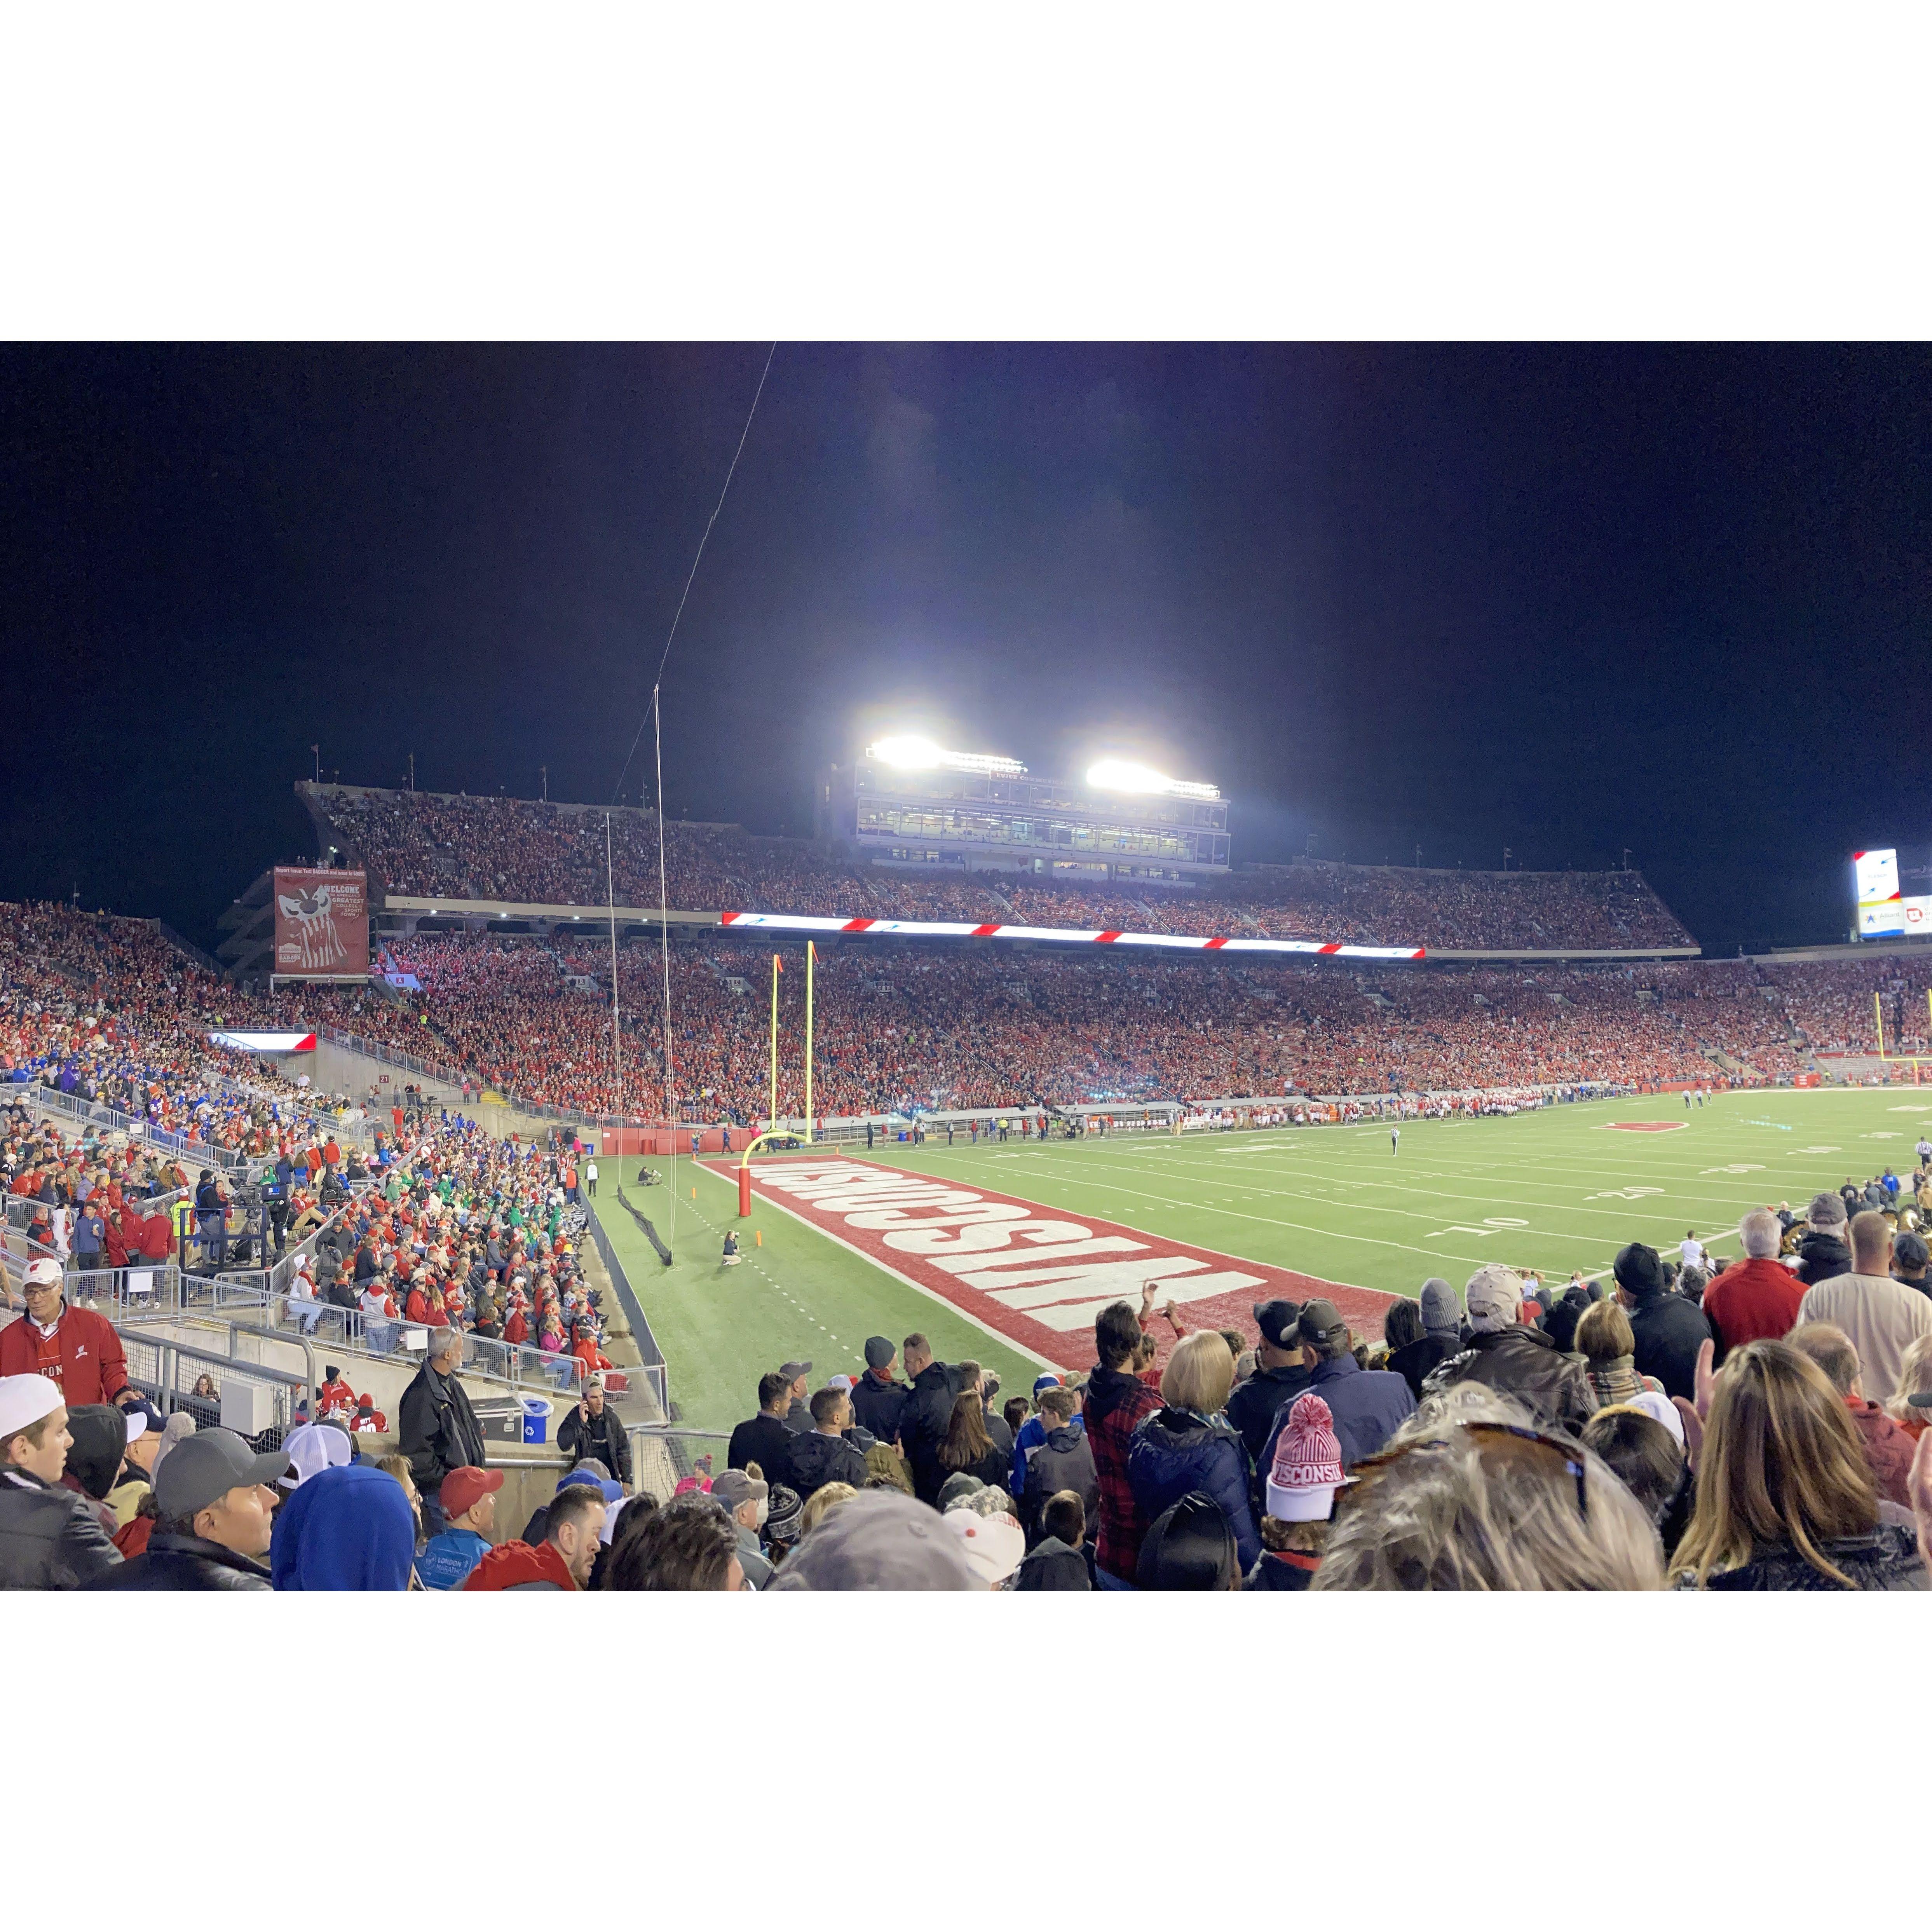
(1554, 1191)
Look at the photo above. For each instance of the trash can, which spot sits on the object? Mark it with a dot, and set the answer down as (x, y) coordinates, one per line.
(536, 1419)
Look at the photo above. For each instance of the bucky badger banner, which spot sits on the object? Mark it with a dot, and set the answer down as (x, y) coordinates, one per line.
(322, 922)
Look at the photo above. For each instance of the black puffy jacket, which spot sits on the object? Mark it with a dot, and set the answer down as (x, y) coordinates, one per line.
(1888, 1559)
(602, 1436)
(816, 1459)
(1174, 1452)
(50, 1537)
(172, 1562)
(1820, 1257)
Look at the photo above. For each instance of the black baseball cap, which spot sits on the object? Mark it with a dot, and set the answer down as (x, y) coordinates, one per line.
(1320, 1322)
(1637, 1268)
(1278, 1320)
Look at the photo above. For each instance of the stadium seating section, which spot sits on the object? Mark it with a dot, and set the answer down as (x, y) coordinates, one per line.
(423, 845)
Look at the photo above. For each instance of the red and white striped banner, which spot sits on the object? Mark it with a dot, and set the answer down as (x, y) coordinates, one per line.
(943, 928)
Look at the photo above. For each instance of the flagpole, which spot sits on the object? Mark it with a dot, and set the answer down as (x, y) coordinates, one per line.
(811, 961)
(771, 1117)
(617, 1027)
(1878, 1014)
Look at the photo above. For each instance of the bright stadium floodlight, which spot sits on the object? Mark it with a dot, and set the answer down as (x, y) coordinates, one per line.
(1124, 774)
(909, 754)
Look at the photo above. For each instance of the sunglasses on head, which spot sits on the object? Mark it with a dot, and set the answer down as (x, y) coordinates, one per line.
(1369, 1465)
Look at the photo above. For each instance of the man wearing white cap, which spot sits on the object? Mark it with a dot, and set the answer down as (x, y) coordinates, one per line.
(992, 1545)
(74, 1349)
(50, 1538)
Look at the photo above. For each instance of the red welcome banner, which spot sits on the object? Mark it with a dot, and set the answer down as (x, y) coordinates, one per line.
(321, 924)
(1036, 1276)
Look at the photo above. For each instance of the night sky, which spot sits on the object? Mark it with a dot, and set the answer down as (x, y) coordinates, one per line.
(1563, 600)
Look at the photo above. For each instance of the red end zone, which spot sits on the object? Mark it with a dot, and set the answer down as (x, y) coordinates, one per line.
(1037, 1276)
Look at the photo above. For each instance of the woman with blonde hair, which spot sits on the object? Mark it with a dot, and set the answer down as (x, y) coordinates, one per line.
(821, 1503)
(1471, 1497)
(1786, 1499)
(1607, 1343)
(1189, 1444)
(1915, 1379)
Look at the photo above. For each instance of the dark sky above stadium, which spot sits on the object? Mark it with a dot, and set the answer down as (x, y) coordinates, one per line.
(1562, 600)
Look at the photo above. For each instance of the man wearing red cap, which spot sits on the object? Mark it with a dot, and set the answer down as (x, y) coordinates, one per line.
(75, 1348)
(468, 1499)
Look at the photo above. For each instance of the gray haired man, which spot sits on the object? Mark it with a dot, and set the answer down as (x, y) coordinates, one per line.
(748, 1502)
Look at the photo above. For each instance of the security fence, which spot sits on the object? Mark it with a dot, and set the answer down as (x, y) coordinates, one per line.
(219, 1387)
(660, 1457)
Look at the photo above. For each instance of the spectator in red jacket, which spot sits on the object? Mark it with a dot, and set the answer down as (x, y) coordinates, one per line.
(157, 1236)
(1888, 1449)
(335, 1395)
(1754, 1300)
(75, 1348)
(584, 1347)
(562, 1561)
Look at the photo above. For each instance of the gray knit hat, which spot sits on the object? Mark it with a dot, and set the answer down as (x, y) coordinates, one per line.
(1826, 1210)
(178, 1427)
(1442, 1313)
(957, 1487)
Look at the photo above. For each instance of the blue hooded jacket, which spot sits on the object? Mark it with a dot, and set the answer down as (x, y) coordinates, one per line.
(1174, 1451)
(345, 1529)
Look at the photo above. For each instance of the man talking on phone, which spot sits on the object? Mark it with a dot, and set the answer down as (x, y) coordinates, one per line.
(592, 1430)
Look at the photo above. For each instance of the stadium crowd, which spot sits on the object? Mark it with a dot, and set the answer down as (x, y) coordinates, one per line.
(107, 1011)
(1763, 1430)
(425, 844)
(909, 1025)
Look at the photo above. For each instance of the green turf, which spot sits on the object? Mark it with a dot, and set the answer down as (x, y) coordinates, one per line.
(1554, 1191)
(798, 1297)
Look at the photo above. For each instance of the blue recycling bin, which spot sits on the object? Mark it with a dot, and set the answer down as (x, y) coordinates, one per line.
(536, 1419)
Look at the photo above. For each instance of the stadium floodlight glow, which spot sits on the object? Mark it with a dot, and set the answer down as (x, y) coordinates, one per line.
(909, 753)
(1124, 774)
